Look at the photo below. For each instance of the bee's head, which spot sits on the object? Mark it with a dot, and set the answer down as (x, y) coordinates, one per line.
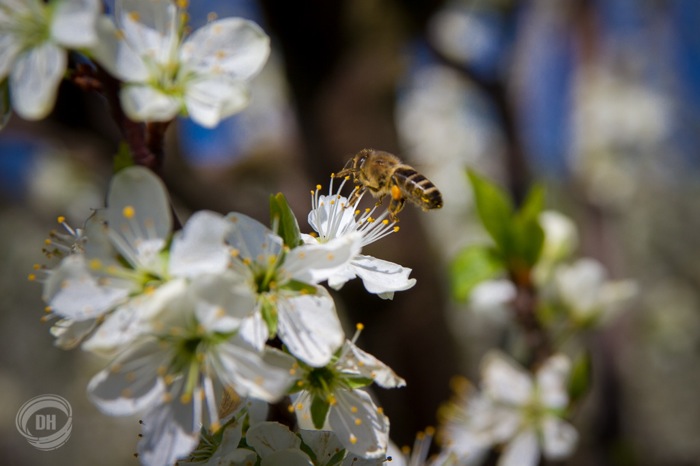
(361, 157)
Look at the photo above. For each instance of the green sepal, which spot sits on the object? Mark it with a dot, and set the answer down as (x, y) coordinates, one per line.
(471, 266)
(282, 216)
(299, 287)
(268, 311)
(580, 379)
(495, 210)
(358, 382)
(319, 411)
(123, 158)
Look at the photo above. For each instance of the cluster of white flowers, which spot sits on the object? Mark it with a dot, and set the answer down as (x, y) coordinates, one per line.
(164, 73)
(186, 316)
(525, 415)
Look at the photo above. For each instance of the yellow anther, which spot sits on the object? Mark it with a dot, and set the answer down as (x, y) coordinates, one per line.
(31, 277)
(358, 421)
(134, 15)
(216, 425)
(128, 212)
(396, 229)
(182, 4)
(212, 15)
(353, 439)
(385, 222)
(186, 398)
(430, 430)
(61, 219)
(167, 397)
(360, 326)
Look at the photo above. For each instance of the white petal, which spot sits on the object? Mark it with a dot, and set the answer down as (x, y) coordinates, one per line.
(199, 247)
(222, 301)
(168, 434)
(523, 450)
(552, 379)
(341, 276)
(117, 55)
(309, 326)
(559, 438)
(138, 215)
(213, 98)
(382, 277)
(145, 103)
(268, 437)
(504, 380)
(70, 333)
(356, 360)
(131, 383)
(232, 46)
(34, 80)
(359, 425)
(251, 239)
(74, 22)
(150, 28)
(73, 293)
(323, 443)
(314, 263)
(492, 298)
(138, 317)
(253, 330)
(265, 376)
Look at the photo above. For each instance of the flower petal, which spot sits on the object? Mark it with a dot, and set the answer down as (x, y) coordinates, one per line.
(74, 22)
(199, 247)
(150, 29)
(359, 424)
(356, 360)
(314, 263)
(268, 437)
(209, 100)
(504, 380)
(131, 383)
(309, 326)
(552, 379)
(251, 240)
(10, 46)
(73, 293)
(222, 301)
(170, 431)
(34, 80)
(235, 47)
(559, 438)
(117, 55)
(523, 450)
(138, 215)
(265, 376)
(145, 103)
(382, 277)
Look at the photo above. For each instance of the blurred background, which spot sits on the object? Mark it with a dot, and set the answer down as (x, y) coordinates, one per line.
(597, 99)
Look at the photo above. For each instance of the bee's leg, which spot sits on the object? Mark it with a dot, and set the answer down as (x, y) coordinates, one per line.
(397, 203)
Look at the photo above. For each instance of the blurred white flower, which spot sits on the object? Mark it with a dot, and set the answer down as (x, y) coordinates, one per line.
(560, 242)
(493, 298)
(204, 75)
(126, 266)
(34, 37)
(586, 293)
(523, 413)
(331, 217)
(331, 398)
(289, 304)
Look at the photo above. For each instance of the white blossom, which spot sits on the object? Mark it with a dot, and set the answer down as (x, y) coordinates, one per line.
(203, 75)
(34, 38)
(332, 217)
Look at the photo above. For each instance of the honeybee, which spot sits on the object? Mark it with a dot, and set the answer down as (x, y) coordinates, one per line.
(382, 173)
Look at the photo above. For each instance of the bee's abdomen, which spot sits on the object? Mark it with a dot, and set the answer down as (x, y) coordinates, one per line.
(417, 188)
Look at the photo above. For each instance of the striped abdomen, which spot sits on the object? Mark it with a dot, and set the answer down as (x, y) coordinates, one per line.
(417, 188)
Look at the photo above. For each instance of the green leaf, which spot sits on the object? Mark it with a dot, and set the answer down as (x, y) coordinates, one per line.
(495, 210)
(528, 234)
(580, 380)
(319, 411)
(123, 158)
(472, 266)
(283, 218)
